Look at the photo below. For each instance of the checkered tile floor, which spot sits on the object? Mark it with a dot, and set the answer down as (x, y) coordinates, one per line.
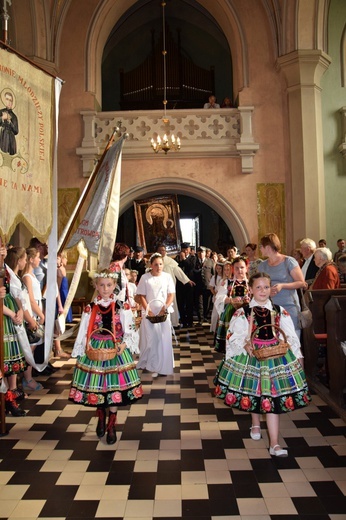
(180, 454)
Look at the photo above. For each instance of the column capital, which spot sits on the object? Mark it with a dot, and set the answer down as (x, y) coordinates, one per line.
(304, 67)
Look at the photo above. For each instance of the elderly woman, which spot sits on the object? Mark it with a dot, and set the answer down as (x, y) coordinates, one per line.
(327, 276)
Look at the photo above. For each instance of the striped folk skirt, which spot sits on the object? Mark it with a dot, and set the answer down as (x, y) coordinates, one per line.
(269, 386)
(114, 382)
(14, 360)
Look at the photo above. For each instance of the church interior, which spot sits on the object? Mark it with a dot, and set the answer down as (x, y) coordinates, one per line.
(272, 161)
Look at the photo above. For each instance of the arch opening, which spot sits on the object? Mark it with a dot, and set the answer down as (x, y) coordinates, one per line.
(186, 189)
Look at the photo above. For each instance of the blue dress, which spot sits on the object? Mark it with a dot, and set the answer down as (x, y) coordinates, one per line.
(287, 298)
(63, 296)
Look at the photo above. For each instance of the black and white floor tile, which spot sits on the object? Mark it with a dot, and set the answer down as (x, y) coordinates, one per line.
(180, 453)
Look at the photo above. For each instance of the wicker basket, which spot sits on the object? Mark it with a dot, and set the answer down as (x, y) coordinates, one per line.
(271, 352)
(156, 319)
(101, 354)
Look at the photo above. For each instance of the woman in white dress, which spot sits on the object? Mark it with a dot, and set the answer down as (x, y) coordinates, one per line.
(155, 343)
(35, 297)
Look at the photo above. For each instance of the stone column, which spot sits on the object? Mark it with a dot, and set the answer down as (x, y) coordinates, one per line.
(303, 70)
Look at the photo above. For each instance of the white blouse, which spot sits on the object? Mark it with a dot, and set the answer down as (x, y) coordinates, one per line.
(238, 331)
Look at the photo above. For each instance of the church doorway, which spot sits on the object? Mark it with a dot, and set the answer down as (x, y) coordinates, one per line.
(219, 225)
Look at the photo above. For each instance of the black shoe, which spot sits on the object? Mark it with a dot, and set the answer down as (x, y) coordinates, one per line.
(11, 405)
(111, 433)
(101, 425)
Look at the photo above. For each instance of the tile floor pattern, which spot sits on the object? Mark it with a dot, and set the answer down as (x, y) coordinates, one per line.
(180, 454)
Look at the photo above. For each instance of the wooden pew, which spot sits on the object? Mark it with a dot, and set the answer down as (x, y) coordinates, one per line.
(316, 335)
(336, 333)
(317, 301)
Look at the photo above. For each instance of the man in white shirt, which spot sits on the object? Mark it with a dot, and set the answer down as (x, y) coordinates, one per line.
(212, 103)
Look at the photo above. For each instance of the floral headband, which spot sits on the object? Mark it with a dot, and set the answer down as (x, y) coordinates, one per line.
(106, 274)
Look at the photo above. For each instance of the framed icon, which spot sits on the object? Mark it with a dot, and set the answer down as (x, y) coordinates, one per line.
(157, 221)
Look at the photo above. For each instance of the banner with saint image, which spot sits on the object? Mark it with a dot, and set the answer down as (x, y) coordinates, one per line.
(26, 146)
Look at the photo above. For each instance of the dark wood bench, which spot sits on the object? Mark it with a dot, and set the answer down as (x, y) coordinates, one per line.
(317, 301)
(336, 333)
(316, 336)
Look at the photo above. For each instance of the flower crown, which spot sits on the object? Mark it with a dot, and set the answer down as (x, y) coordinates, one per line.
(107, 274)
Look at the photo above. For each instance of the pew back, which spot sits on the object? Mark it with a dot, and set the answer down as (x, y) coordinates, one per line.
(316, 301)
(336, 333)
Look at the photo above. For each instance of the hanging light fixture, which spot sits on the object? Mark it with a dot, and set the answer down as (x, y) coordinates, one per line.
(167, 142)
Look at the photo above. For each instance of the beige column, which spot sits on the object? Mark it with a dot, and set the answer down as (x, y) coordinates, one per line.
(303, 70)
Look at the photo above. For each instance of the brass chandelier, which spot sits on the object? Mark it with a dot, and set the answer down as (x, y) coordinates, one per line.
(167, 142)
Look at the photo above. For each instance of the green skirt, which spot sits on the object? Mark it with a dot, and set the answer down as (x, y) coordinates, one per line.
(270, 386)
(14, 360)
(114, 382)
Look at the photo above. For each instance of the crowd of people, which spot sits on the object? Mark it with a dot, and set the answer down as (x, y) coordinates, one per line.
(242, 298)
(24, 319)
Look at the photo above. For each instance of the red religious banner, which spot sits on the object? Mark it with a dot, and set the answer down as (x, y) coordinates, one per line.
(26, 146)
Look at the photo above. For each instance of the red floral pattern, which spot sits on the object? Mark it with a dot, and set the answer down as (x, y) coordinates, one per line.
(116, 397)
(245, 403)
(93, 399)
(230, 399)
(138, 392)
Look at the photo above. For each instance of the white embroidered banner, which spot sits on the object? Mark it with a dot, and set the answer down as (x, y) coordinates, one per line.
(98, 228)
(26, 146)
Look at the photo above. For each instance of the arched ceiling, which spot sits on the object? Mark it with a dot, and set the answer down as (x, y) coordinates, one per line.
(143, 12)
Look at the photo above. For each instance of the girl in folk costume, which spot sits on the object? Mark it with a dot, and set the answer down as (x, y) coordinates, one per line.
(14, 360)
(231, 296)
(3, 386)
(252, 382)
(106, 324)
(214, 284)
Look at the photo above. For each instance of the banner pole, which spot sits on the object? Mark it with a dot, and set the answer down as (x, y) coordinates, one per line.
(3, 430)
(68, 228)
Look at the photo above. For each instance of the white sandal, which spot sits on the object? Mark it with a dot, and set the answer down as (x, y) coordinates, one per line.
(255, 436)
(278, 453)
